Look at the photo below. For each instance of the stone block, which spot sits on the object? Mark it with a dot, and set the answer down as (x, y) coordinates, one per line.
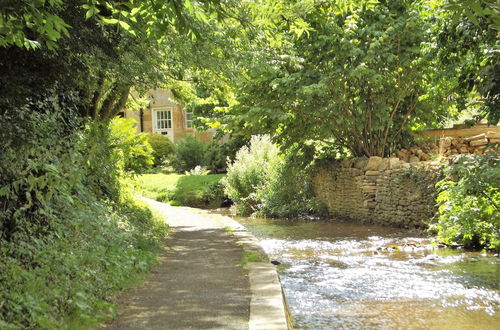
(394, 163)
(425, 157)
(372, 173)
(479, 142)
(445, 143)
(383, 164)
(373, 163)
(476, 137)
(463, 150)
(414, 159)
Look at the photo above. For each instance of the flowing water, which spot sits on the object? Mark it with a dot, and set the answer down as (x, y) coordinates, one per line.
(338, 275)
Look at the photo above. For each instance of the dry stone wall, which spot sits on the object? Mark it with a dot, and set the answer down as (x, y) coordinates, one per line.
(385, 191)
(447, 146)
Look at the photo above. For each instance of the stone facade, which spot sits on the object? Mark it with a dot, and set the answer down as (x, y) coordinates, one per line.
(161, 100)
(384, 191)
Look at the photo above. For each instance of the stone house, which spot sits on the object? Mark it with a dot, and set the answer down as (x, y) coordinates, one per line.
(163, 116)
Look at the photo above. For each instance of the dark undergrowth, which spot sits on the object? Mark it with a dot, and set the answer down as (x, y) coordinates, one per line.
(71, 236)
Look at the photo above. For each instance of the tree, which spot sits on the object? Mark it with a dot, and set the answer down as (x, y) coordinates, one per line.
(468, 54)
(102, 49)
(358, 78)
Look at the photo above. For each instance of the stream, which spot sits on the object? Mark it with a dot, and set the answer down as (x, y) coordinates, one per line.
(338, 275)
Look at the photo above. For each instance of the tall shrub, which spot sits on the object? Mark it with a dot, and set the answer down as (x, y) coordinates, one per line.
(288, 191)
(248, 174)
(359, 78)
(189, 153)
(469, 202)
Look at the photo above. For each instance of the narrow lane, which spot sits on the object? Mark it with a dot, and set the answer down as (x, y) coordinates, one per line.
(198, 284)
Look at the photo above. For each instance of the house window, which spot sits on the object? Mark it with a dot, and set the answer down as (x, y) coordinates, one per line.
(163, 120)
(189, 119)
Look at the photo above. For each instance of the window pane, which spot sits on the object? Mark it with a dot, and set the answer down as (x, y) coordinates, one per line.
(163, 119)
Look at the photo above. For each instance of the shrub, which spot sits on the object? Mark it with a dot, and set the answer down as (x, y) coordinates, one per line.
(203, 191)
(218, 153)
(215, 158)
(163, 148)
(289, 191)
(469, 201)
(189, 153)
(136, 150)
(249, 172)
(70, 235)
(264, 182)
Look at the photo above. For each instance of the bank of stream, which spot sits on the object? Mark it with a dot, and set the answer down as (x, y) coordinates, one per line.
(344, 276)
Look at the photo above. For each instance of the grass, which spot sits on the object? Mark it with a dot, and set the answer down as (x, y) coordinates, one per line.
(249, 256)
(183, 190)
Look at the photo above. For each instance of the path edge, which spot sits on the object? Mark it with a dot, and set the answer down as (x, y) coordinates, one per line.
(268, 306)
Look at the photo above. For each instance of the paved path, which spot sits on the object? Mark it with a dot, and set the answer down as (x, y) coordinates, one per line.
(198, 284)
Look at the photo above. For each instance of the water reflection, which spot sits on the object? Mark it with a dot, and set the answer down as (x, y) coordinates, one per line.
(345, 276)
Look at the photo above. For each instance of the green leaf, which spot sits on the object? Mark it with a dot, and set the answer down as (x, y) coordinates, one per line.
(124, 25)
(109, 21)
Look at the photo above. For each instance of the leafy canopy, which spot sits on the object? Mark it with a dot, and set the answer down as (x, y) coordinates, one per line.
(358, 77)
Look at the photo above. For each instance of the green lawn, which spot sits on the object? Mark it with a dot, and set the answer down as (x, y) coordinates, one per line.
(185, 190)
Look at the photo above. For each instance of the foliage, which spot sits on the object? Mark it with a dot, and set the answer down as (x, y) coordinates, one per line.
(263, 181)
(189, 153)
(191, 190)
(469, 201)
(102, 49)
(468, 55)
(215, 157)
(30, 25)
(357, 78)
(199, 191)
(70, 235)
(249, 172)
(219, 153)
(134, 148)
(288, 191)
(163, 148)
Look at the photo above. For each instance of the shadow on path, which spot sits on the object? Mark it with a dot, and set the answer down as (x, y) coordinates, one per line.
(198, 284)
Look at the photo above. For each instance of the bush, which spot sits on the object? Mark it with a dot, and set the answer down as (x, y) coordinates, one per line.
(215, 157)
(70, 236)
(219, 153)
(289, 191)
(189, 153)
(266, 183)
(137, 152)
(469, 201)
(163, 148)
(248, 174)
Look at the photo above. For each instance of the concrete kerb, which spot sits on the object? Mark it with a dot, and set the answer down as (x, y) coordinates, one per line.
(268, 308)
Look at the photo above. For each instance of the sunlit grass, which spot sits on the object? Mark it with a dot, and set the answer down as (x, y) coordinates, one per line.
(177, 189)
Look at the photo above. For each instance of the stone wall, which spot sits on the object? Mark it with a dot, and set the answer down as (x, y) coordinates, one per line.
(385, 191)
(448, 146)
